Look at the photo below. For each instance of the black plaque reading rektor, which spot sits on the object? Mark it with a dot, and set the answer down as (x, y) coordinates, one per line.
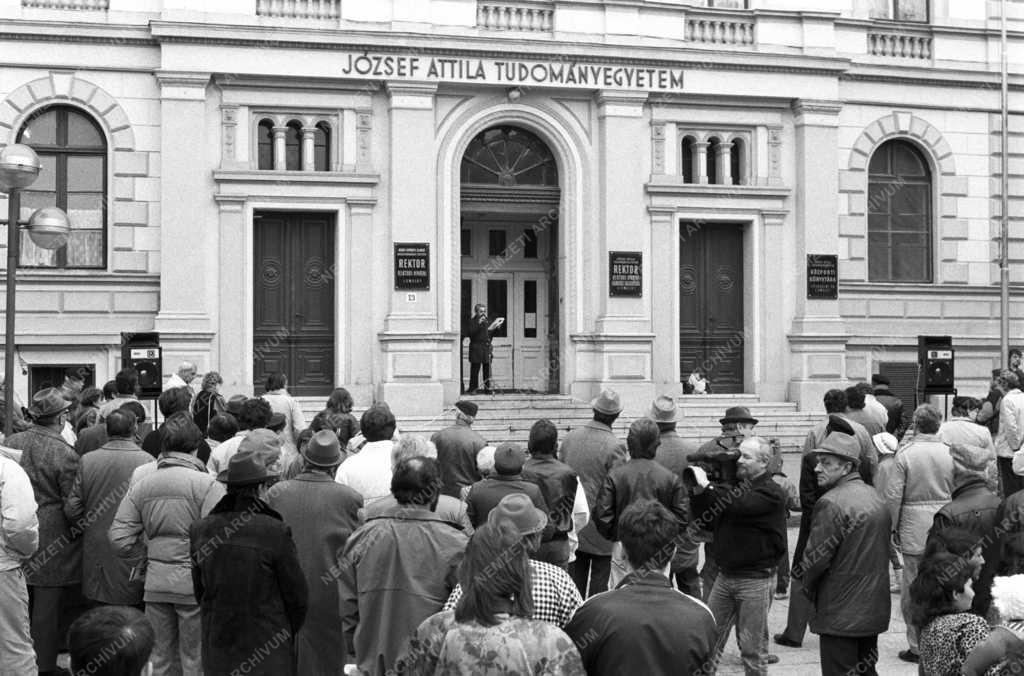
(822, 277)
(412, 267)
(625, 273)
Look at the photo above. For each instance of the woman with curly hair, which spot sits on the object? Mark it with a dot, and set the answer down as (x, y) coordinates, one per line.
(208, 403)
(490, 632)
(941, 597)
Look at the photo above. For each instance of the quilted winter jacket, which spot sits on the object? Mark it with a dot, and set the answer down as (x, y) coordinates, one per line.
(163, 505)
(921, 483)
(846, 562)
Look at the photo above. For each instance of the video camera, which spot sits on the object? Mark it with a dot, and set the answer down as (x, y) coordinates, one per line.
(720, 464)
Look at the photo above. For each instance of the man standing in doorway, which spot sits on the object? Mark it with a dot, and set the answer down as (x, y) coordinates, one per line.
(479, 331)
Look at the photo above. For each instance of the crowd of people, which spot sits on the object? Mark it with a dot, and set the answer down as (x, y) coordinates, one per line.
(235, 538)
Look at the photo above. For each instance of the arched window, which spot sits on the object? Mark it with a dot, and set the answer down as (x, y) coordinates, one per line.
(322, 147)
(711, 162)
(899, 215)
(265, 144)
(73, 152)
(508, 156)
(688, 142)
(293, 147)
(736, 163)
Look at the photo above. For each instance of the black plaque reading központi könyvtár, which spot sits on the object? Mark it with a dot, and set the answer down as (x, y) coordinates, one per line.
(412, 267)
(625, 273)
(822, 277)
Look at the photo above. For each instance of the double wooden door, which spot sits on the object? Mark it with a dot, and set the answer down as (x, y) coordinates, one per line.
(293, 300)
(711, 332)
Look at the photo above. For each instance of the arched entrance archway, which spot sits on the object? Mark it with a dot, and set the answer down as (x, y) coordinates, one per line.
(509, 201)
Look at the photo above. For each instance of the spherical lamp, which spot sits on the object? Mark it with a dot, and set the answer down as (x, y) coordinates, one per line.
(19, 167)
(49, 228)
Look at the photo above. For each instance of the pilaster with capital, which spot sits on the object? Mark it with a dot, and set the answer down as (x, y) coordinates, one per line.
(665, 299)
(189, 256)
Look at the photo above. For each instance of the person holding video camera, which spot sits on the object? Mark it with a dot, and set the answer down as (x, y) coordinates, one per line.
(748, 521)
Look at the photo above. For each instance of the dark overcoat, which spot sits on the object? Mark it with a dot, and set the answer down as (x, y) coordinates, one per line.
(479, 341)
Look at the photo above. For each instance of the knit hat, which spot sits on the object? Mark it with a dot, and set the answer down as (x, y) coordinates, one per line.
(885, 443)
(467, 407)
(509, 458)
(972, 458)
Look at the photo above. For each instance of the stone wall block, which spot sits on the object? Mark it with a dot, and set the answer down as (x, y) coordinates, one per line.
(954, 273)
(852, 226)
(955, 185)
(853, 181)
(128, 163)
(129, 261)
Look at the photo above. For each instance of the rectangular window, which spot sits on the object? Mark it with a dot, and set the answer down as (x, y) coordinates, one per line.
(912, 11)
(529, 308)
(467, 242)
(496, 243)
(529, 243)
(497, 305)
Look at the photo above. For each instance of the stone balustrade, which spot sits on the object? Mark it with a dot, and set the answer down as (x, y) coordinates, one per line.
(84, 5)
(719, 30)
(900, 45)
(514, 17)
(300, 9)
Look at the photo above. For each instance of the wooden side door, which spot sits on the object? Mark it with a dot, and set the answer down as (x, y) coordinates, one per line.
(293, 312)
(529, 328)
(711, 304)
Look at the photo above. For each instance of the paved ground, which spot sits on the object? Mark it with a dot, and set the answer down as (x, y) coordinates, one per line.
(804, 661)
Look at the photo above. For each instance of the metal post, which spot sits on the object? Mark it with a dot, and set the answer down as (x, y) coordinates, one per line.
(1004, 222)
(9, 309)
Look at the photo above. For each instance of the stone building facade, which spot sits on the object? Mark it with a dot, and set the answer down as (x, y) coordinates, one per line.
(327, 187)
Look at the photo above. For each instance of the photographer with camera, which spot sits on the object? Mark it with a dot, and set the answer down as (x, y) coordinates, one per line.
(748, 521)
(718, 459)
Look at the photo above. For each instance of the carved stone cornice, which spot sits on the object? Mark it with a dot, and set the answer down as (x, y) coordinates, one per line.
(802, 107)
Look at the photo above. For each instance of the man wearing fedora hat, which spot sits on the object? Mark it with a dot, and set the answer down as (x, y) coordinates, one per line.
(485, 494)
(846, 563)
(457, 446)
(672, 453)
(56, 568)
(247, 576)
(322, 514)
(592, 450)
(555, 597)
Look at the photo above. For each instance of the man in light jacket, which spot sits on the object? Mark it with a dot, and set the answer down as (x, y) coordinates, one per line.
(846, 562)
(921, 483)
(161, 506)
(1011, 432)
(19, 538)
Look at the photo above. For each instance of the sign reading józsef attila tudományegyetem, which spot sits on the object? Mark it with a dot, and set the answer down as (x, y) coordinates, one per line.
(555, 73)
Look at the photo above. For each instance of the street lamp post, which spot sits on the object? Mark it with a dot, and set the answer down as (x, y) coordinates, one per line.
(48, 228)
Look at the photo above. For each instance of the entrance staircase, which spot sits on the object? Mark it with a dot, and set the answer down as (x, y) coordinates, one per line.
(508, 417)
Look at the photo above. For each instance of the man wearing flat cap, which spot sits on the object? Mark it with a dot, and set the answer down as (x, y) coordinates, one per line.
(457, 446)
(322, 514)
(846, 562)
(974, 508)
(592, 450)
(56, 568)
(248, 580)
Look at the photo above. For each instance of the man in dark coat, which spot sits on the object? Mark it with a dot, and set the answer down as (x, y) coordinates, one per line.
(247, 577)
(639, 479)
(558, 485)
(101, 482)
(56, 568)
(479, 330)
(974, 508)
(672, 453)
(485, 494)
(893, 404)
(749, 525)
(457, 446)
(644, 626)
(592, 451)
(398, 569)
(846, 563)
(322, 515)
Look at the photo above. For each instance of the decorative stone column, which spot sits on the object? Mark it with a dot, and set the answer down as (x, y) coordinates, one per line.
(308, 148)
(700, 162)
(724, 164)
(280, 148)
(817, 336)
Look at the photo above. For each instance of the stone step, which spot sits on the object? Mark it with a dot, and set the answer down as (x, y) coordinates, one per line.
(508, 417)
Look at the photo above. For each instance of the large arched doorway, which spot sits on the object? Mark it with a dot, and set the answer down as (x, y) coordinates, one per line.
(509, 195)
